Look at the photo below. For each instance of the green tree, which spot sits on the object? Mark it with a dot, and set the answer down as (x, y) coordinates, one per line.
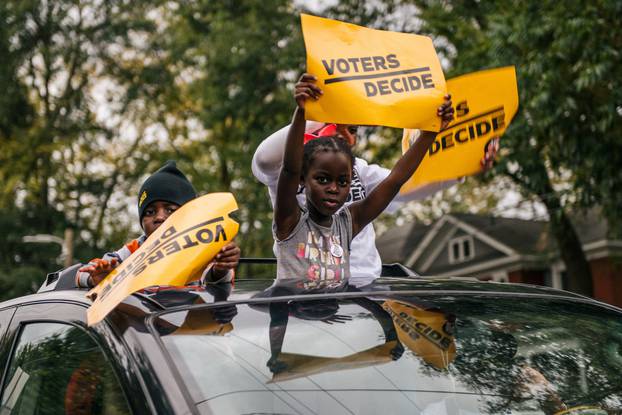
(569, 123)
(99, 94)
(235, 62)
(74, 75)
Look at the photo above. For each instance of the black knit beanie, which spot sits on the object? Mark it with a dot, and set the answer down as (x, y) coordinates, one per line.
(168, 184)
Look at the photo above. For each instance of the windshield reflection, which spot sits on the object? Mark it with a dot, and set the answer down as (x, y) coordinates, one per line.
(398, 354)
(211, 321)
(286, 366)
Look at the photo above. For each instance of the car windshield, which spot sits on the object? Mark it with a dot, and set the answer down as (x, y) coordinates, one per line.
(399, 354)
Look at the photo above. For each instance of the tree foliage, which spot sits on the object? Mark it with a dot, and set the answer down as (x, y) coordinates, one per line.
(568, 126)
(100, 93)
(63, 156)
(239, 58)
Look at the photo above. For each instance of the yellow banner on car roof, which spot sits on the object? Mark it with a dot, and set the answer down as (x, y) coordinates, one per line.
(485, 102)
(175, 254)
(427, 333)
(372, 77)
(202, 323)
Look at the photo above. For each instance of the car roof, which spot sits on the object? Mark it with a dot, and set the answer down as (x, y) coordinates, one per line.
(246, 289)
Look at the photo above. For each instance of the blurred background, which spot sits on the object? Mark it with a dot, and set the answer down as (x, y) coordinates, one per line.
(97, 94)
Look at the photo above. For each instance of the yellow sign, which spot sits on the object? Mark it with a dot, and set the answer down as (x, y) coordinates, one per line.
(372, 77)
(485, 102)
(426, 333)
(202, 322)
(176, 253)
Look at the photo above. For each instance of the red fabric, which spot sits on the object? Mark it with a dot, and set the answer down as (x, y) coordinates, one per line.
(81, 389)
(133, 245)
(326, 131)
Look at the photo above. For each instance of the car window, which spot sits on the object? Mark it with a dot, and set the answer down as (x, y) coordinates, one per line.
(442, 354)
(57, 368)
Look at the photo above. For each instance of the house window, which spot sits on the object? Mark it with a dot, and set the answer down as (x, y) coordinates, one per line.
(461, 249)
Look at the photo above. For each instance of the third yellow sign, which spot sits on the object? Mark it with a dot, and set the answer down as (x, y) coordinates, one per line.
(485, 102)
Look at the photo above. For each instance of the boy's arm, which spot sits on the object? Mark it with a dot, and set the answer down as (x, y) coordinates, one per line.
(368, 209)
(95, 271)
(286, 210)
(223, 267)
(91, 274)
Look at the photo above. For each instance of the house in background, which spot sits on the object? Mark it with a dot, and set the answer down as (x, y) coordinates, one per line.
(504, 250)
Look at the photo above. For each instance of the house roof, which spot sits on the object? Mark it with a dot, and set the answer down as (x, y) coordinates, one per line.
(396, 243)
(526, 237)
(591, 226)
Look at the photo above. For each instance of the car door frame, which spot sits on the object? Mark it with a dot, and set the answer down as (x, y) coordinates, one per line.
(168, 390)
(74, 314)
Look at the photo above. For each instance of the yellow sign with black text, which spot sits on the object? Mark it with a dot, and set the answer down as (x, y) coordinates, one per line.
(427, 333)
(485, 102)
(202, 323)
(175, 254)
(372, 77)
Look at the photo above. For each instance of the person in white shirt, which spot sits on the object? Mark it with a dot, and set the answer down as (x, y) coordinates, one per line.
(365, 262)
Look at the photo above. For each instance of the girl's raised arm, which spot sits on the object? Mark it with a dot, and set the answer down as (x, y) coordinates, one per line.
(286, 210)
(368, 209)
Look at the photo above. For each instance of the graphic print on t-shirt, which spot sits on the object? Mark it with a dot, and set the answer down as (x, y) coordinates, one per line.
(325, 258)
(357, 190)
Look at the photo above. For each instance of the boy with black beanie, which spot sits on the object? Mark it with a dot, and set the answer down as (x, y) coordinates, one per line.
(160, 195)
(169, 184)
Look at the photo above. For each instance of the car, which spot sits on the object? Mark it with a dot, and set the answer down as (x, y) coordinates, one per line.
(401, 345)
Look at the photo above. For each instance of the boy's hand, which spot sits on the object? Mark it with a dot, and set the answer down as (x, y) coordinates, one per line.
(227, 259)
(306, 89)
(98, 269)
(446, 112)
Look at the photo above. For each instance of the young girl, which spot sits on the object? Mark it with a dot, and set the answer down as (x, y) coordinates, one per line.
(313, 243)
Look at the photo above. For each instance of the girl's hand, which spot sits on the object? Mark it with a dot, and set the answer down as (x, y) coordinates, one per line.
(446, 112)
(306, 89)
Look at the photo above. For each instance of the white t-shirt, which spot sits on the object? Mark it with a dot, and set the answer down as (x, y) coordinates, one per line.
(365, 262)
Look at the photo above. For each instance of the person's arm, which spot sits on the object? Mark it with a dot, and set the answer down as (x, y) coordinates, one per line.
(372, 175)
(368, 209)
(91, 274)
(268, 157)
(286, 209)
(223, 267)
(95, 271)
